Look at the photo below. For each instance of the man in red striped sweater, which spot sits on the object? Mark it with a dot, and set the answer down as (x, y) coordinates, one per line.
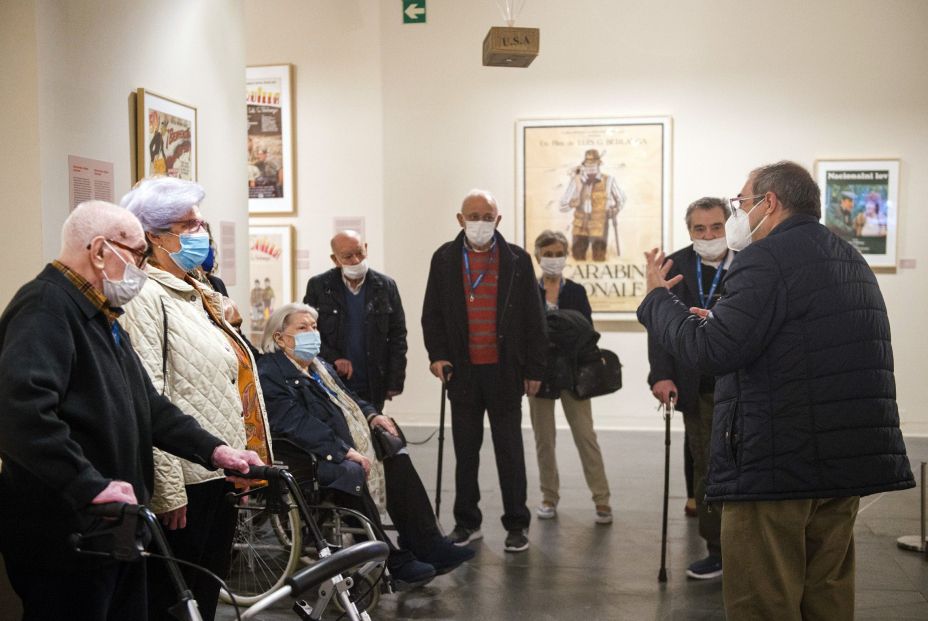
(483, 318)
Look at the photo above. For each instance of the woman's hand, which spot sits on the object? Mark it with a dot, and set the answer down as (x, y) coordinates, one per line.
(385, 423)
(174, 519)
(353, 455)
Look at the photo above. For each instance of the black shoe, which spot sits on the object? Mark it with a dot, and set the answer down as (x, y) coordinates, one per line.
(446, 556)
(516, 541)
(411, 574)
(461, 536)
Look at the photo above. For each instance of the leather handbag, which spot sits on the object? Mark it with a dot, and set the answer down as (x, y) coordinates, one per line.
(598, 374)
(386, 444)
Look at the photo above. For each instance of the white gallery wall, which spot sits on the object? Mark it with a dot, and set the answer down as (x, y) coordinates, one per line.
(397, 122)
(79, 64)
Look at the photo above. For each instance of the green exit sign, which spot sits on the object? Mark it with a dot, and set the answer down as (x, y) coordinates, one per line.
(413, 11)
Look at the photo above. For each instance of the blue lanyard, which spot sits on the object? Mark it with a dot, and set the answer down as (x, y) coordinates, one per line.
(473, 285)
(315, 377)
(703, 302)
(115, 330)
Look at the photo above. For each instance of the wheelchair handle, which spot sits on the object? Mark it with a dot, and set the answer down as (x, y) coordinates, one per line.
(256, 472)
(110, 509)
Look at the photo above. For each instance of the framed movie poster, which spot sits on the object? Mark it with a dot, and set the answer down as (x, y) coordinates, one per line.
(271, 273)
(604, 184)
(270, 141)
(859, 204)
(166, 135)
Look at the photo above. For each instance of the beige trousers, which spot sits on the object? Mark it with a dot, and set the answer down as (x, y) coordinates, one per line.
(789, 560)
(580, 418)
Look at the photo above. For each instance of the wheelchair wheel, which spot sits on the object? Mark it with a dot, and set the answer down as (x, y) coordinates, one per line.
(265, 552)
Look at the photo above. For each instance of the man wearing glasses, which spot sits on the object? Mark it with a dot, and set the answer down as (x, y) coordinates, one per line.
(483, 318)
(805, 420)
(79, 418)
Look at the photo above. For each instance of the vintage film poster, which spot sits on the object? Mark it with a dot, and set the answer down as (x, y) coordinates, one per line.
(859, 205)
(271, 273)
(604, 184)
(166, 137)
(270, 141)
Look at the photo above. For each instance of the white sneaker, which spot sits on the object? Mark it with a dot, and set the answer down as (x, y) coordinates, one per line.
(603, 515)
(546, 511)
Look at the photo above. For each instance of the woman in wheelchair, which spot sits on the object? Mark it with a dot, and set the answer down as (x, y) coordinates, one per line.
(309, 406)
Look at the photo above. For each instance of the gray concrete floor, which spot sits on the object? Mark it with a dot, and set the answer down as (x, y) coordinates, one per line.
(581, 571)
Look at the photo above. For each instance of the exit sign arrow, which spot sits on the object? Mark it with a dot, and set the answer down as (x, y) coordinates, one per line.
(413, 11)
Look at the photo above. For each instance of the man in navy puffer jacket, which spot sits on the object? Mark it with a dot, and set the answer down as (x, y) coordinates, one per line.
(805, 418)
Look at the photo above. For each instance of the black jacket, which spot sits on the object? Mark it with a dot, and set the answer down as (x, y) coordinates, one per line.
(520, 323)
(78, 412)
(806, 407)
(384, 322)
(570, 334)
(663, 365)
(571, 297)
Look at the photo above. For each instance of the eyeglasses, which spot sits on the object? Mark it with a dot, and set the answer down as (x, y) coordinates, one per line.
(138, 255)
(736, 202)
(190, 225)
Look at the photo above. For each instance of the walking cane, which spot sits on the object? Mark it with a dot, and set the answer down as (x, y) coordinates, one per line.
(445, 373)
(668, 410)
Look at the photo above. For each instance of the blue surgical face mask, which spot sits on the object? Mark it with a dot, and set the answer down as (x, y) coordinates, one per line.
(210, 261)
(306, 345)
(193, 250)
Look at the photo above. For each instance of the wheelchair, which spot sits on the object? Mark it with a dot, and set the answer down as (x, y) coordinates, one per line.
(271, 543)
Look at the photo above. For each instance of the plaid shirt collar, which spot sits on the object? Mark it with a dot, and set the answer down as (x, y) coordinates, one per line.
(96, 298)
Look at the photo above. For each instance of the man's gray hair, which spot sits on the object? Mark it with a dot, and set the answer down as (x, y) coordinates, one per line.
(484, 194)
(278, 321)
(792, 184)
(158, 202)
(95, 218)
(548, 237)
(706, 203)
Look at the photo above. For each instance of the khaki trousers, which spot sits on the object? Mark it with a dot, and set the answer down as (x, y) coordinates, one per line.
(789, 560)
(699, 434)
(580, 418)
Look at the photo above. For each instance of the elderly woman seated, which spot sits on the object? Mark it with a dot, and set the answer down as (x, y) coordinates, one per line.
(308, 405)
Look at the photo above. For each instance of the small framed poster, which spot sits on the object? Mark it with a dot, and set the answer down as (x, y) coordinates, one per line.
(271, 272)
(860, 205)
(271, 173)
(166, 134)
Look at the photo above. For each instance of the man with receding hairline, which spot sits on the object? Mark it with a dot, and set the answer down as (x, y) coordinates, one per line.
(805, 419)
(79, 419)
(361, 322)
(482, 319)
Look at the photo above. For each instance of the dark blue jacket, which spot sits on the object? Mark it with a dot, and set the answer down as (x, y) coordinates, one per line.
(384, 325)
(78, 411)
(806, 407)
(663, 365)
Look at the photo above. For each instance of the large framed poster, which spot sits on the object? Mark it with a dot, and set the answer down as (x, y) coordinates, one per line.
(859, 205)
(270, 141)
(605, 184)
(166, 135)
(271, 272)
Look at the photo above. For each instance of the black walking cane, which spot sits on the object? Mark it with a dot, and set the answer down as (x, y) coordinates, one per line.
(445, 374)
(668, 414)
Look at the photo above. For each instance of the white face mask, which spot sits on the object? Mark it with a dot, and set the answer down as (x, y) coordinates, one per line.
(356, 271)
(120, 292)
(738, 229)
(711, 249)
(552, 266)
(479, 233)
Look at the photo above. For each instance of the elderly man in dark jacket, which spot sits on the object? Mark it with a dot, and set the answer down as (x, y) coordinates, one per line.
(79, 419)
(482, 316)
(806, 420)
(361, 322)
